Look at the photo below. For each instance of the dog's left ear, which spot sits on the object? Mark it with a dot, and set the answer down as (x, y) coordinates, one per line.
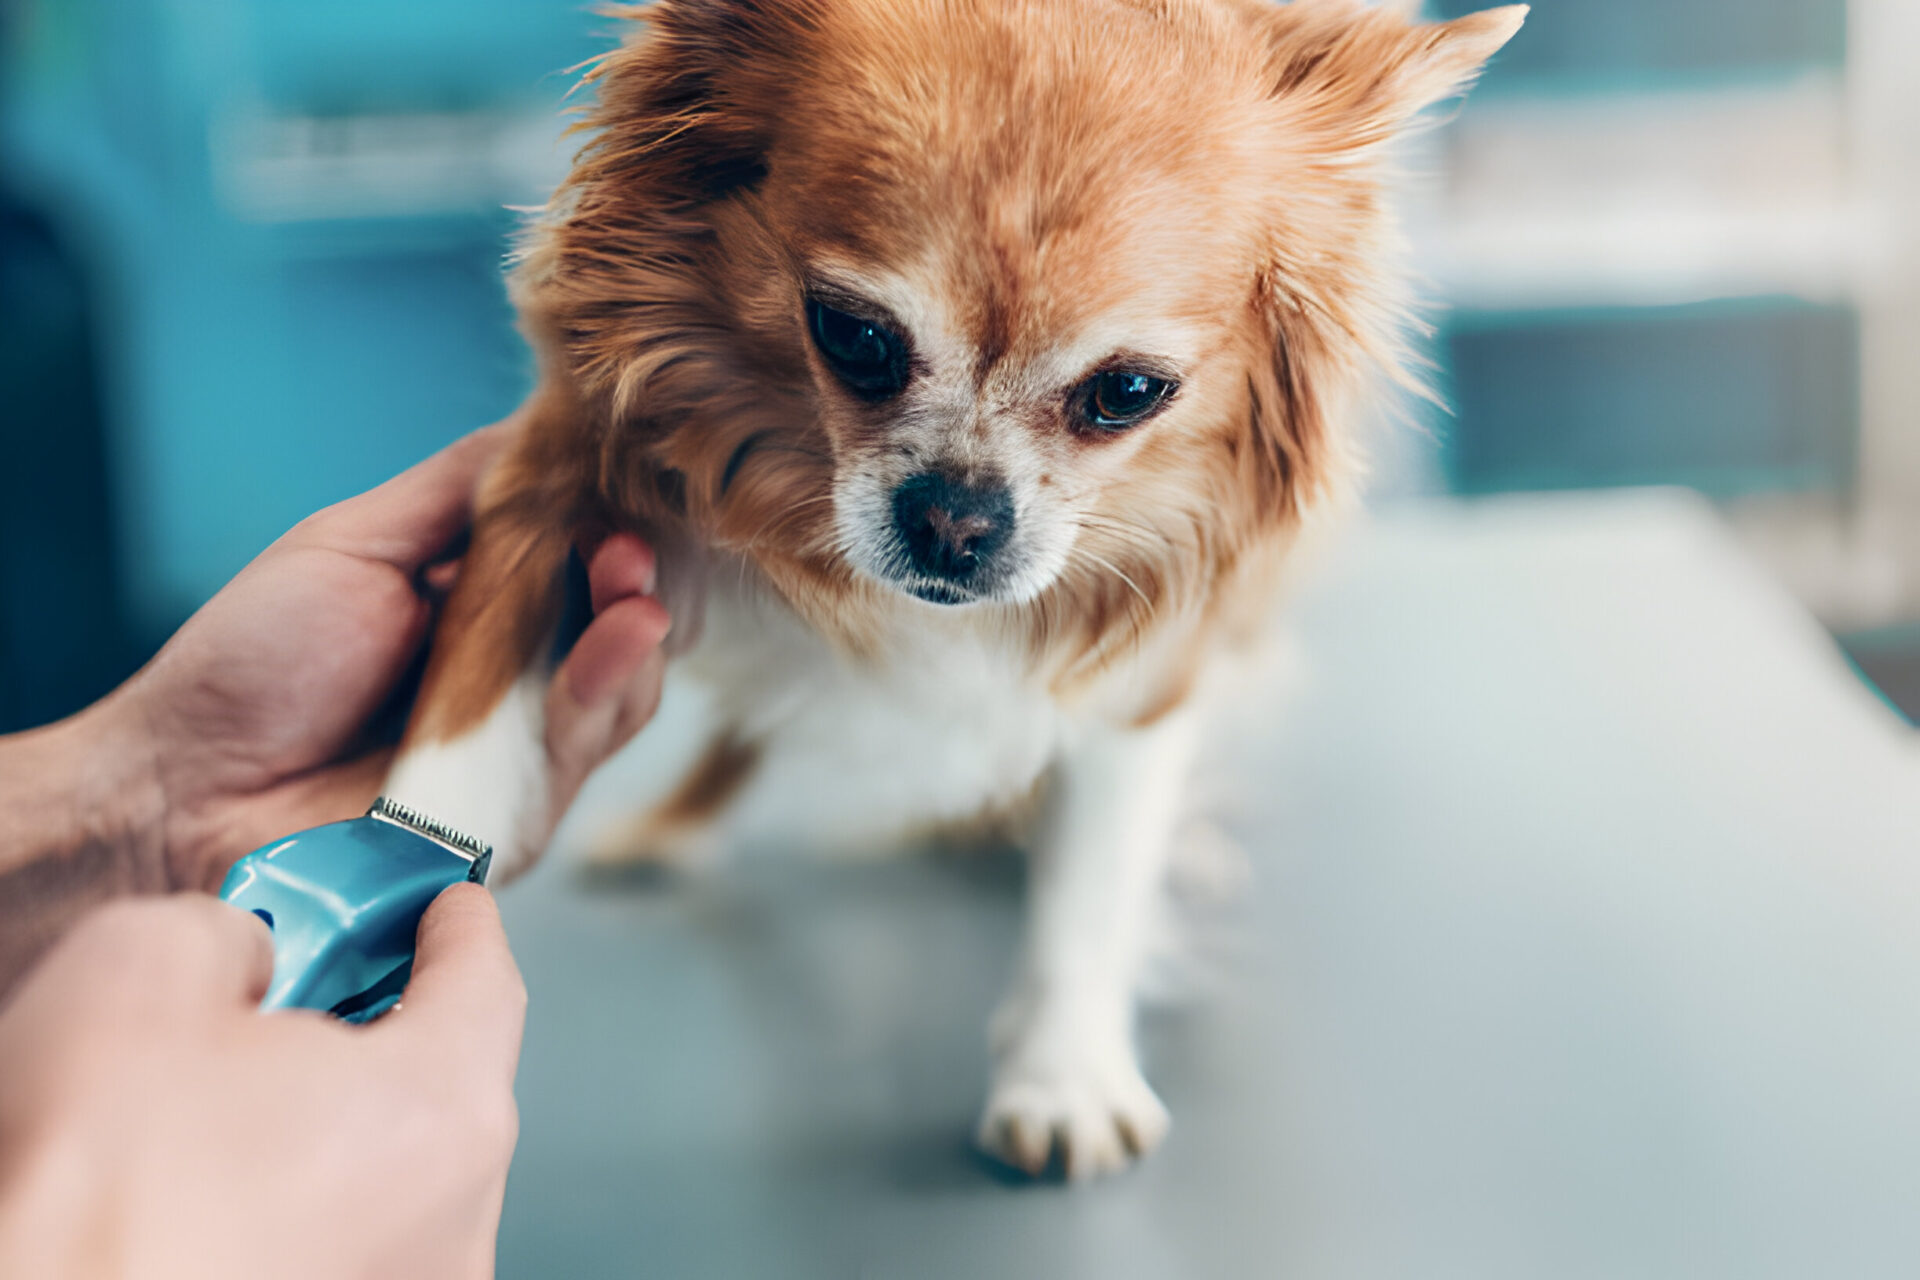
(1355, 75)
(1346, 77)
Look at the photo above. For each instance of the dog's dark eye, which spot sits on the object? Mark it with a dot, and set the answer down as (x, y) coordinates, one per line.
(1119, 399)
(869, 357)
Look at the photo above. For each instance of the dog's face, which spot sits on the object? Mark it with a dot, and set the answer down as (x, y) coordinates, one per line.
(982, 299)
(1017, 293)
(978, 411)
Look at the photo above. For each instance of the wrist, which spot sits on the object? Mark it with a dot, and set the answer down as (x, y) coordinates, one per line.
(117, 793)
(82, 824)
(84, 789)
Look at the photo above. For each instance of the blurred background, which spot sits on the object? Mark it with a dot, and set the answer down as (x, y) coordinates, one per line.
(250, 259)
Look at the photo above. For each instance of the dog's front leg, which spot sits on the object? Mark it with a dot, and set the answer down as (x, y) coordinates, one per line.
(475, 754)
(1066, 1074)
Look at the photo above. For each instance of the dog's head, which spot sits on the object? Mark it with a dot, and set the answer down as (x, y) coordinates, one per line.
(986, 300)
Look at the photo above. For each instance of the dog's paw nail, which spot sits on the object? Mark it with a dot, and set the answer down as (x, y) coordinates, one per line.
(1024, 1139)
(1096, 1120)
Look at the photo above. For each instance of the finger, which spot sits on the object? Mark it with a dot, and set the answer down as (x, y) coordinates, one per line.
(622, 566)
(581, 736)
(239, 948)
(612, 649)
(465, 1006)
(639, 700)
(438, 578)
(618, 666)
(184, 951)
(413, 517)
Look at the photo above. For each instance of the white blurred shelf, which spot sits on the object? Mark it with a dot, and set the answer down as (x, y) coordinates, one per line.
(1654, 255)
(1650, 199)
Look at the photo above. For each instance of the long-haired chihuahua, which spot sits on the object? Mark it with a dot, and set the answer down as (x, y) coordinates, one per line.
(975, 363)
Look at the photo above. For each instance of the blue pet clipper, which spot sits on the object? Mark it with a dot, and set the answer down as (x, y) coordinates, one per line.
(344, 902)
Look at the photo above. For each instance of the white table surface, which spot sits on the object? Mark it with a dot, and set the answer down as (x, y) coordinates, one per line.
(1583, 940)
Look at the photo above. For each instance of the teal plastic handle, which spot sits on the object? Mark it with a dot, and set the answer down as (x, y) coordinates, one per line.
(344, 902)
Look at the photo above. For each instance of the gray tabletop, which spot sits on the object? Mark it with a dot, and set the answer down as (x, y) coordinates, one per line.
(1582, 938)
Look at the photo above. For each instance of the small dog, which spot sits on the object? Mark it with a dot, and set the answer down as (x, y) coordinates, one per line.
(979, 361)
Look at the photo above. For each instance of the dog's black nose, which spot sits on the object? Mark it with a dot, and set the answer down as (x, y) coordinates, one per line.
(949, 526)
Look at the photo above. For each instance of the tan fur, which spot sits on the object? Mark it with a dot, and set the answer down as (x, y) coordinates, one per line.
(1043, 163)
(716, 777)
(508, 596)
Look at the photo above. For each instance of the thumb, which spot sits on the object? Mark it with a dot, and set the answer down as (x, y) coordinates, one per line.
(466, 1004)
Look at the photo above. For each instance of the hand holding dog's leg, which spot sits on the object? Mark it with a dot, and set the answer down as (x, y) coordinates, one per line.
(1065, 1068)
(501, 742)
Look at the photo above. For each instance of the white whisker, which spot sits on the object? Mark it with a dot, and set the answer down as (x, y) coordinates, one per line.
(1114, 569)
(776, 518)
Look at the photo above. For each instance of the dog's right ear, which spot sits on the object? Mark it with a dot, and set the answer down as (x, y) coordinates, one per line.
(685, 105)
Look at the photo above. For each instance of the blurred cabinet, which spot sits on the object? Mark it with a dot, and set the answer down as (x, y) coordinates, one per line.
(1733, 399)
(63, 639)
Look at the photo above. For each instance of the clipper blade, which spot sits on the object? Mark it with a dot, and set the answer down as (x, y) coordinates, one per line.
(432, 828)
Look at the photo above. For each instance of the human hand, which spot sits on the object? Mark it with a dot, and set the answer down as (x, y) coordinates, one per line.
(155, 1124)
(253, 721)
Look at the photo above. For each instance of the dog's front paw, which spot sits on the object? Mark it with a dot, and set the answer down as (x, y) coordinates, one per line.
(1092, 1106)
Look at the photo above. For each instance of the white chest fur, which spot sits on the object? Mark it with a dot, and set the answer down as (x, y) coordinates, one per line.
(858, 752)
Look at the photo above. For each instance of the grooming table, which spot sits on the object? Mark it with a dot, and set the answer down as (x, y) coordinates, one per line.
(1582, 940)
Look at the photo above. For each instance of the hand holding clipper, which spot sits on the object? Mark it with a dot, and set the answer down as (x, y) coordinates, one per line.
(344, 903)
